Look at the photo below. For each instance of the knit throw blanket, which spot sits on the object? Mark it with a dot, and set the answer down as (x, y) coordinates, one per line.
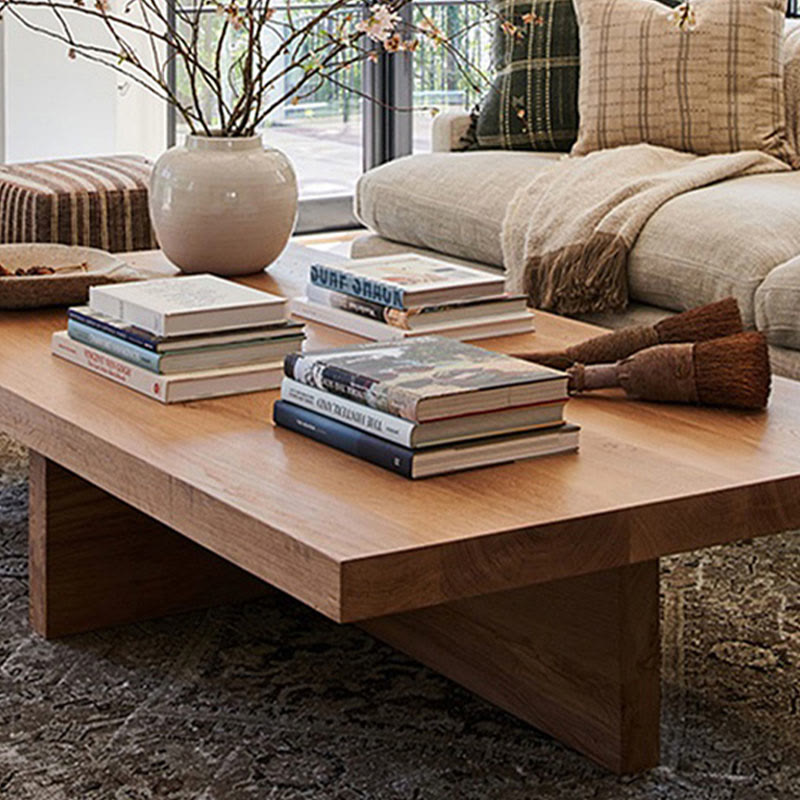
(567, 234)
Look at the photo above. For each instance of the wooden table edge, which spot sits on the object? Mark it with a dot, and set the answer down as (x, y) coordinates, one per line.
(360, 588)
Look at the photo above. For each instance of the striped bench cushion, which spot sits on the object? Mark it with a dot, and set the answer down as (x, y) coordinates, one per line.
(97, 202)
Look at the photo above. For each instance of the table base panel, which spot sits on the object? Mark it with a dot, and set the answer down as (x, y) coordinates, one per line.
(95, 561)
(578, 658)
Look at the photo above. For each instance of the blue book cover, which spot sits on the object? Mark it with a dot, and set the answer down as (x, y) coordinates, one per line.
(343, 437)
(406, 281)
(115, 327)
(113, 345)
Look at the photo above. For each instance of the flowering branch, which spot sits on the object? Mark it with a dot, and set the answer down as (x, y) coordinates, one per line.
(276, 59)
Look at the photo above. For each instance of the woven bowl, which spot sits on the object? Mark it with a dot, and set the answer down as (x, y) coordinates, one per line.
(35, 291)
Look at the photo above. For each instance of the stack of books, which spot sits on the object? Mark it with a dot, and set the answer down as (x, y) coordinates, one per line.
(179, 339)
(426, 406)
(397, 297)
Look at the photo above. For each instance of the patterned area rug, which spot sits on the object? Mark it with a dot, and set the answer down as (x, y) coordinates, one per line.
(271, 700)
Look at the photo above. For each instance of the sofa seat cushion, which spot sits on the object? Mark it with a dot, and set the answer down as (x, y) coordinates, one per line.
(701, 246)
(722, 240)
(450, 202)
(778, 305)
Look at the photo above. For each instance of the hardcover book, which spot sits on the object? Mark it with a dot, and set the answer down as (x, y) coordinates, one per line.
(221, 356)
(168, 388)
(421, 434)
(187, 305)
(466, 329)
(426, 378)
(406, 281)
(160, 344)
(430, 461)
(421, 317)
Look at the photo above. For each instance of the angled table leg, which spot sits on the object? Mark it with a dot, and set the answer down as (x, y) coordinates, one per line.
(95, 561)
(578, 658)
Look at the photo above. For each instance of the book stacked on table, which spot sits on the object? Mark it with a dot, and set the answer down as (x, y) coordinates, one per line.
(398, 297)
(427, 405)
(178, 339)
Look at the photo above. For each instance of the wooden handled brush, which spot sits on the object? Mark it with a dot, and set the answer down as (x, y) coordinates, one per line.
(732, 371)
(698, 325)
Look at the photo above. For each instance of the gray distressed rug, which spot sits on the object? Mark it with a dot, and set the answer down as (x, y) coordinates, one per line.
(271, 700)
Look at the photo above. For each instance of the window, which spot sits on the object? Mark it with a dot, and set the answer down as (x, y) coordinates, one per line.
(332, 135)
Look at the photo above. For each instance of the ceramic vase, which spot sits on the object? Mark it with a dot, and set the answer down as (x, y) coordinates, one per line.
(223, 205)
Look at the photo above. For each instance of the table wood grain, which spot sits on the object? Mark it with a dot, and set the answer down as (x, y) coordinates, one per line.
(355, 541)
(534, 584)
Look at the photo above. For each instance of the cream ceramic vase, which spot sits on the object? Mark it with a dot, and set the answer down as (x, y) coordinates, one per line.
(225, 206)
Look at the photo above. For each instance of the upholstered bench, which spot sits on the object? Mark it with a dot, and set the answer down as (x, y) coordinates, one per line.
(96, 202)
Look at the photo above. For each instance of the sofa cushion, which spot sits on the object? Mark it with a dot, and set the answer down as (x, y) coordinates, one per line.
(532, 103)
(701, 246)
(778, 305)
(715, 87)
(717, 241)
(450, 202)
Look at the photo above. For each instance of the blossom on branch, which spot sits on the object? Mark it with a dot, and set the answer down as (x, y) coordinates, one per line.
(683, 17)
(380, 24)
(532, 19)
(432, 31)
(233, 76)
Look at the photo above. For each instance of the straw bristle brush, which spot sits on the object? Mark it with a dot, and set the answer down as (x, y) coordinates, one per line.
(732, 371)
(699, 324)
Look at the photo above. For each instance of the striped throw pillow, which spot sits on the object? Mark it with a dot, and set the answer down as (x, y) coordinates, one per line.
(713, 84)
(532, 103)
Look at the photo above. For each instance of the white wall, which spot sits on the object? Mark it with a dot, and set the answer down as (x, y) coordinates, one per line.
(55, 106)
(60, 107)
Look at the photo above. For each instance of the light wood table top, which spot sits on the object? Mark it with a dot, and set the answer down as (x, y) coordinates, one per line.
(355, 541)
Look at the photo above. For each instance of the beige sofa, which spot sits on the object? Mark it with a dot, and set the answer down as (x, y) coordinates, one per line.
(739, 237)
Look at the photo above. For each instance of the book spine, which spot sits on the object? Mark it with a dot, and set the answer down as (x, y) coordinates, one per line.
(131, 313)
(353, 323)
(109, 367)
(111, 329)
(114, 346)
(355, 305)
(337, 280)
(343, 437)
(387, 426)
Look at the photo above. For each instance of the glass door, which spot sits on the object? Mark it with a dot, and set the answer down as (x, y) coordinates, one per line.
(442, 81)
(320, 131)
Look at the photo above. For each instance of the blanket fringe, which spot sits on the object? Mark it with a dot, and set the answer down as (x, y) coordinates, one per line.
(581, 278)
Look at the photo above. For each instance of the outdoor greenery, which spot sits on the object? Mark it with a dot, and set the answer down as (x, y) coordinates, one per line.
(438, 81)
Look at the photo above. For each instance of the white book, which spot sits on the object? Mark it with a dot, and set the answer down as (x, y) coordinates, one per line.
(176, 388)
(406, 280)
(463, 330)
(414, 434)
(187, 305)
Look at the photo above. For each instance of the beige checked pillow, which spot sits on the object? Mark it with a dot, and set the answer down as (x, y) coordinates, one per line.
(715, 86)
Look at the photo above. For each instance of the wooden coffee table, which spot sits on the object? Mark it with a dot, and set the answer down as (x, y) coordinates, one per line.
(533, 584)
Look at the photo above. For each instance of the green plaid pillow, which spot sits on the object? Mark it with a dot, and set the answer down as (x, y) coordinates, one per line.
(532, 103)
